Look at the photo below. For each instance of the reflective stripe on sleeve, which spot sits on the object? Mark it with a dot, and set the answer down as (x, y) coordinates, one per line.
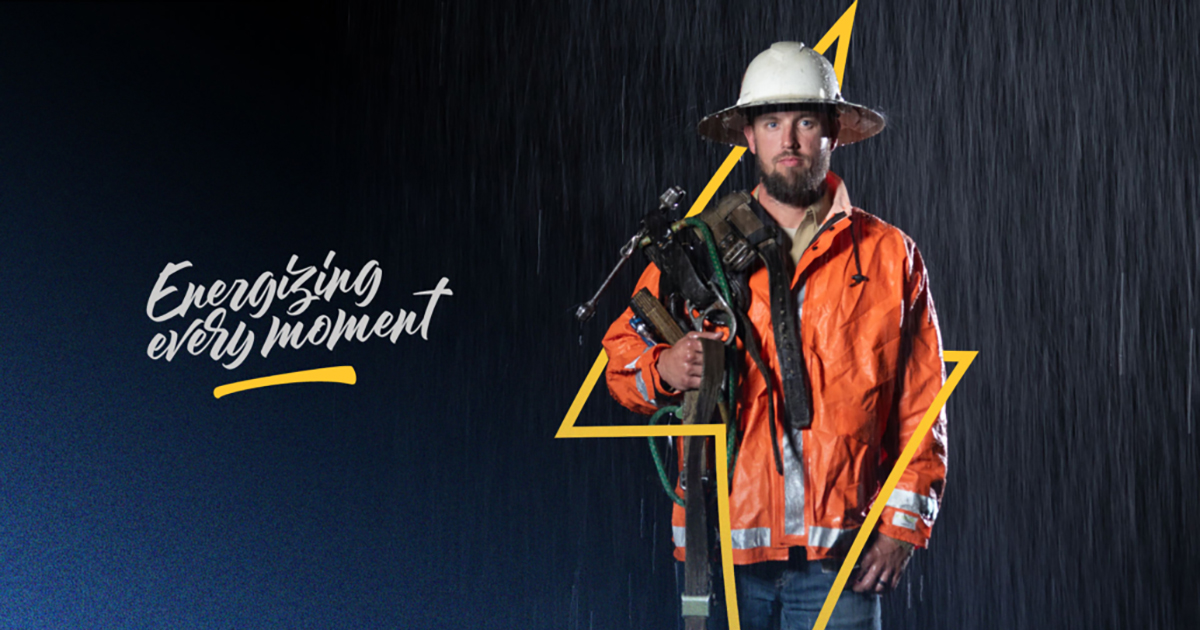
(640, 382)
(905, 520)
(927, 507)
(641, 387)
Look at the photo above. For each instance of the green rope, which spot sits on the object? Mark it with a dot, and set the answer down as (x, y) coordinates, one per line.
(723, 284)
(731, 443)
(731, 453)
(713, 257)
(658, 459)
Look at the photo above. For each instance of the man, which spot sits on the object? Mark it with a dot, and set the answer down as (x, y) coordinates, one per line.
(869, 362)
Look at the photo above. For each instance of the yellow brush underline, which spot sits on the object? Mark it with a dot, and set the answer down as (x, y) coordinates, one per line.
(340, 374)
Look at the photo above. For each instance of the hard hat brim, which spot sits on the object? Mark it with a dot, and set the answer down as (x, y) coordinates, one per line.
(857, 122)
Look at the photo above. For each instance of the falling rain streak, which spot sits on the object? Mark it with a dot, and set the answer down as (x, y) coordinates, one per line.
(1042, 155)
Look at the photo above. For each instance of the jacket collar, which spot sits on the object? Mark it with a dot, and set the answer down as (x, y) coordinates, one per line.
(838, 218)
(841, 198)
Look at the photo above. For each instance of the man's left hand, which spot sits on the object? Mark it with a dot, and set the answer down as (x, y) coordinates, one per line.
(882, 565)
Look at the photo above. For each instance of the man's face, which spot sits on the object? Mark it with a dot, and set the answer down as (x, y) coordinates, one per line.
(793, 149)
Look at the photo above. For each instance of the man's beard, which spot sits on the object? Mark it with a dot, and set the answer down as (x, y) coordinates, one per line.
(804, 188)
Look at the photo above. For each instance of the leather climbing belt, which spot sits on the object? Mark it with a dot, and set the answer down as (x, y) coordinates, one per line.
(698, 408)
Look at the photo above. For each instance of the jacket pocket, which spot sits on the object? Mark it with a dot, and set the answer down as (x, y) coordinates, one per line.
(845, 473)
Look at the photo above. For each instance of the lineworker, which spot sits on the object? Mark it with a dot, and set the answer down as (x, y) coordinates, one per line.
(866, 361)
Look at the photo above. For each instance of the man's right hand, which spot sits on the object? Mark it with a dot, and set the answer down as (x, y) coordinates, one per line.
(682, 365)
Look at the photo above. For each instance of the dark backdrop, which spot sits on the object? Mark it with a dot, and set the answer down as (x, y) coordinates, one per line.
(1041, 154)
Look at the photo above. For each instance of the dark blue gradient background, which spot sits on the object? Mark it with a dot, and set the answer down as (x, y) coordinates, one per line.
(1041, 154)
(132, 136)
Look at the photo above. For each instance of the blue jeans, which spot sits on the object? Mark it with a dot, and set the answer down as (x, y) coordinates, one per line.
(789, 596)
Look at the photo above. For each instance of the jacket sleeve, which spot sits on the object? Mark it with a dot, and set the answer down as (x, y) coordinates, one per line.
(913, 506)
(632, 374)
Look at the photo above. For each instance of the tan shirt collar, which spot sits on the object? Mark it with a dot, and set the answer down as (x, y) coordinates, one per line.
(819, 211)
(835, 198)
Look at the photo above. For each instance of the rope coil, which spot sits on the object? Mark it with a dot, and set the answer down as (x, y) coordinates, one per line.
(729, 405)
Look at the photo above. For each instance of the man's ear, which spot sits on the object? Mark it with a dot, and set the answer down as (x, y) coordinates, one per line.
(749, 131)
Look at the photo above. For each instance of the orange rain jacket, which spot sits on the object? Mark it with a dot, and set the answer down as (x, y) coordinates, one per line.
(874, 365)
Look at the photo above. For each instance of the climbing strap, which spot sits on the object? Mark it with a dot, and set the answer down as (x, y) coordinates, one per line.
(698, 407)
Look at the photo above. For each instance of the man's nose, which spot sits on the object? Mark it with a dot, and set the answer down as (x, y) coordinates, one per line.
(790, 139)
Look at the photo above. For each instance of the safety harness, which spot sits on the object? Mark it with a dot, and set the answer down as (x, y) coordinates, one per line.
(705, 264)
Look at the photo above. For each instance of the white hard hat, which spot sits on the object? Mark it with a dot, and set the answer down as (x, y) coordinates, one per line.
(785, 73)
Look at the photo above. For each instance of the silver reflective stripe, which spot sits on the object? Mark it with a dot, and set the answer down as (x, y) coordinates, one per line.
(800, 304)
(748, 538)
(632, 364)
(751, 537)
(793, 468)
(905, 520)
(641, 385)
(927, 507)
(828, 537)
(793, 486)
